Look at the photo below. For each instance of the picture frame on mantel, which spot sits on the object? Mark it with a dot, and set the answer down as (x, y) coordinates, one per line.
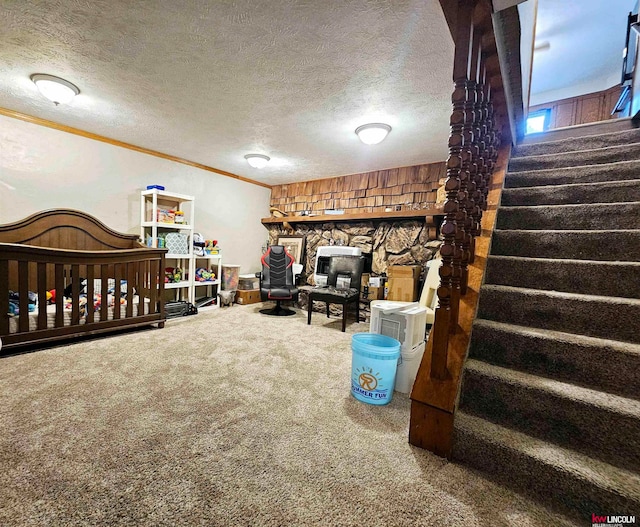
(294, 245)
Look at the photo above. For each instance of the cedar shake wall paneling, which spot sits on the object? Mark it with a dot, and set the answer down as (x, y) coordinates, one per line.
(589, 108)
(411, 188)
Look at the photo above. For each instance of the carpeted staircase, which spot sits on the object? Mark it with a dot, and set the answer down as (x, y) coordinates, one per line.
(550, 400)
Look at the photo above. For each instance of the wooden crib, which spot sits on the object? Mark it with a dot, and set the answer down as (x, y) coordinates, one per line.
(63, 273)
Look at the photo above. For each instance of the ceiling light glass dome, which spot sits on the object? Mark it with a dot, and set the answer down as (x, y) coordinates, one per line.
(57, 90)
(257, 160)
(373, 133)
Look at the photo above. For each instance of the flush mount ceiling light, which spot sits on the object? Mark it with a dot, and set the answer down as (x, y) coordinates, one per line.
(257, 160)
(57, 90)
(373, 133)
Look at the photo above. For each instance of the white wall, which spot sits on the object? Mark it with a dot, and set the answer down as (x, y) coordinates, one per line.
(527, 14)
(42, 168)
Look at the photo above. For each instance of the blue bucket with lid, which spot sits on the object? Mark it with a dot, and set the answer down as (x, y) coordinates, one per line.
(374, 362)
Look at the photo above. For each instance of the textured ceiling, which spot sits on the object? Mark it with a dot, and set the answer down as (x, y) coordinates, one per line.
(586, 39)
(211, 81)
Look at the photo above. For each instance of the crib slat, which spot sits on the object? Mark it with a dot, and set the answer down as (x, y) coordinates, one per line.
(59, 274)
(140, 286)
(4, 297)
(153, 291)
(23, 291)
(42, 295)
(158, 285)
(104, 280)
(90, 294)
(75, 295)
(117, 274)
(131, 277)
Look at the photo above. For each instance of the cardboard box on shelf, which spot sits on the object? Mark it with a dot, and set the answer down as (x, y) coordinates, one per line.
(166, 216)
(364, 281)
(248, 296)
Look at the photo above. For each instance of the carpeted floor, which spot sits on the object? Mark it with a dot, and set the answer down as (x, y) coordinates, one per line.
(227, 418)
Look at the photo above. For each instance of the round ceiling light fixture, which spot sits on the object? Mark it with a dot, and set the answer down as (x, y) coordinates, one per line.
(57, 90)
(373, 133)
(257, 160)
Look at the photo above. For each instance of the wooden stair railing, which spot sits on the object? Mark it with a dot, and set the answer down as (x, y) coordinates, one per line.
(474, 144)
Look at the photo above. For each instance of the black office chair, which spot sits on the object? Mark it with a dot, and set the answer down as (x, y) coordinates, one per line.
(276, 280)
(349, 267)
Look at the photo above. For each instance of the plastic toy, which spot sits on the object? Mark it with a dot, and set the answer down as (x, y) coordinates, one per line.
(198, 244)
(172, 275)
(204, 275)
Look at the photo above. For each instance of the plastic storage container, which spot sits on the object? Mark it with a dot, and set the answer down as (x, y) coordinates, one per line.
(374, 362)
(230, 277)
(408, 367)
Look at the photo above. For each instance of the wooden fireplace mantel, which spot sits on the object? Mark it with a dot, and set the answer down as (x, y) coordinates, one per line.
(430, 216)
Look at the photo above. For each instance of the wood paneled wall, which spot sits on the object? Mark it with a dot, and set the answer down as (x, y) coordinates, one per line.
(589, 108)
(408, 187)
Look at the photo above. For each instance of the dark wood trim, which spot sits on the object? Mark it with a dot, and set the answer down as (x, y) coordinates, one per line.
(114, 142)
(430, 216)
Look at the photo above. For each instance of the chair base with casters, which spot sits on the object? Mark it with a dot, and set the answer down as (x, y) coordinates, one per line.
(349, 268)
(278, 310)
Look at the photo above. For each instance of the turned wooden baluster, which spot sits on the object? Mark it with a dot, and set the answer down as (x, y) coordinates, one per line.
(446, 318)
(487, 125)
(481, 131)
(460, 157)
(470, 162)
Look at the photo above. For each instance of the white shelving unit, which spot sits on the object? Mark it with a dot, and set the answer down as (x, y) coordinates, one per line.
(207, 288)
(151, 230)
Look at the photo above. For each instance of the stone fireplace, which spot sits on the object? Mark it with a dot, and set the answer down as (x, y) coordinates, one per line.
(402, 242)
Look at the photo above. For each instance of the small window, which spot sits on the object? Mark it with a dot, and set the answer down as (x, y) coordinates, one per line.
(538, 121)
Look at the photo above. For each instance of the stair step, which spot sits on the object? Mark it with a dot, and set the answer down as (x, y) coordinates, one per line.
(604, 245)
(621, 170)
(582, 130)
(595, 316)
(598, 424)
(571, 481)
(600, 192)
(587, 277)
(589, 216)
(596, 363)
(596, 156)
(574, 144)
